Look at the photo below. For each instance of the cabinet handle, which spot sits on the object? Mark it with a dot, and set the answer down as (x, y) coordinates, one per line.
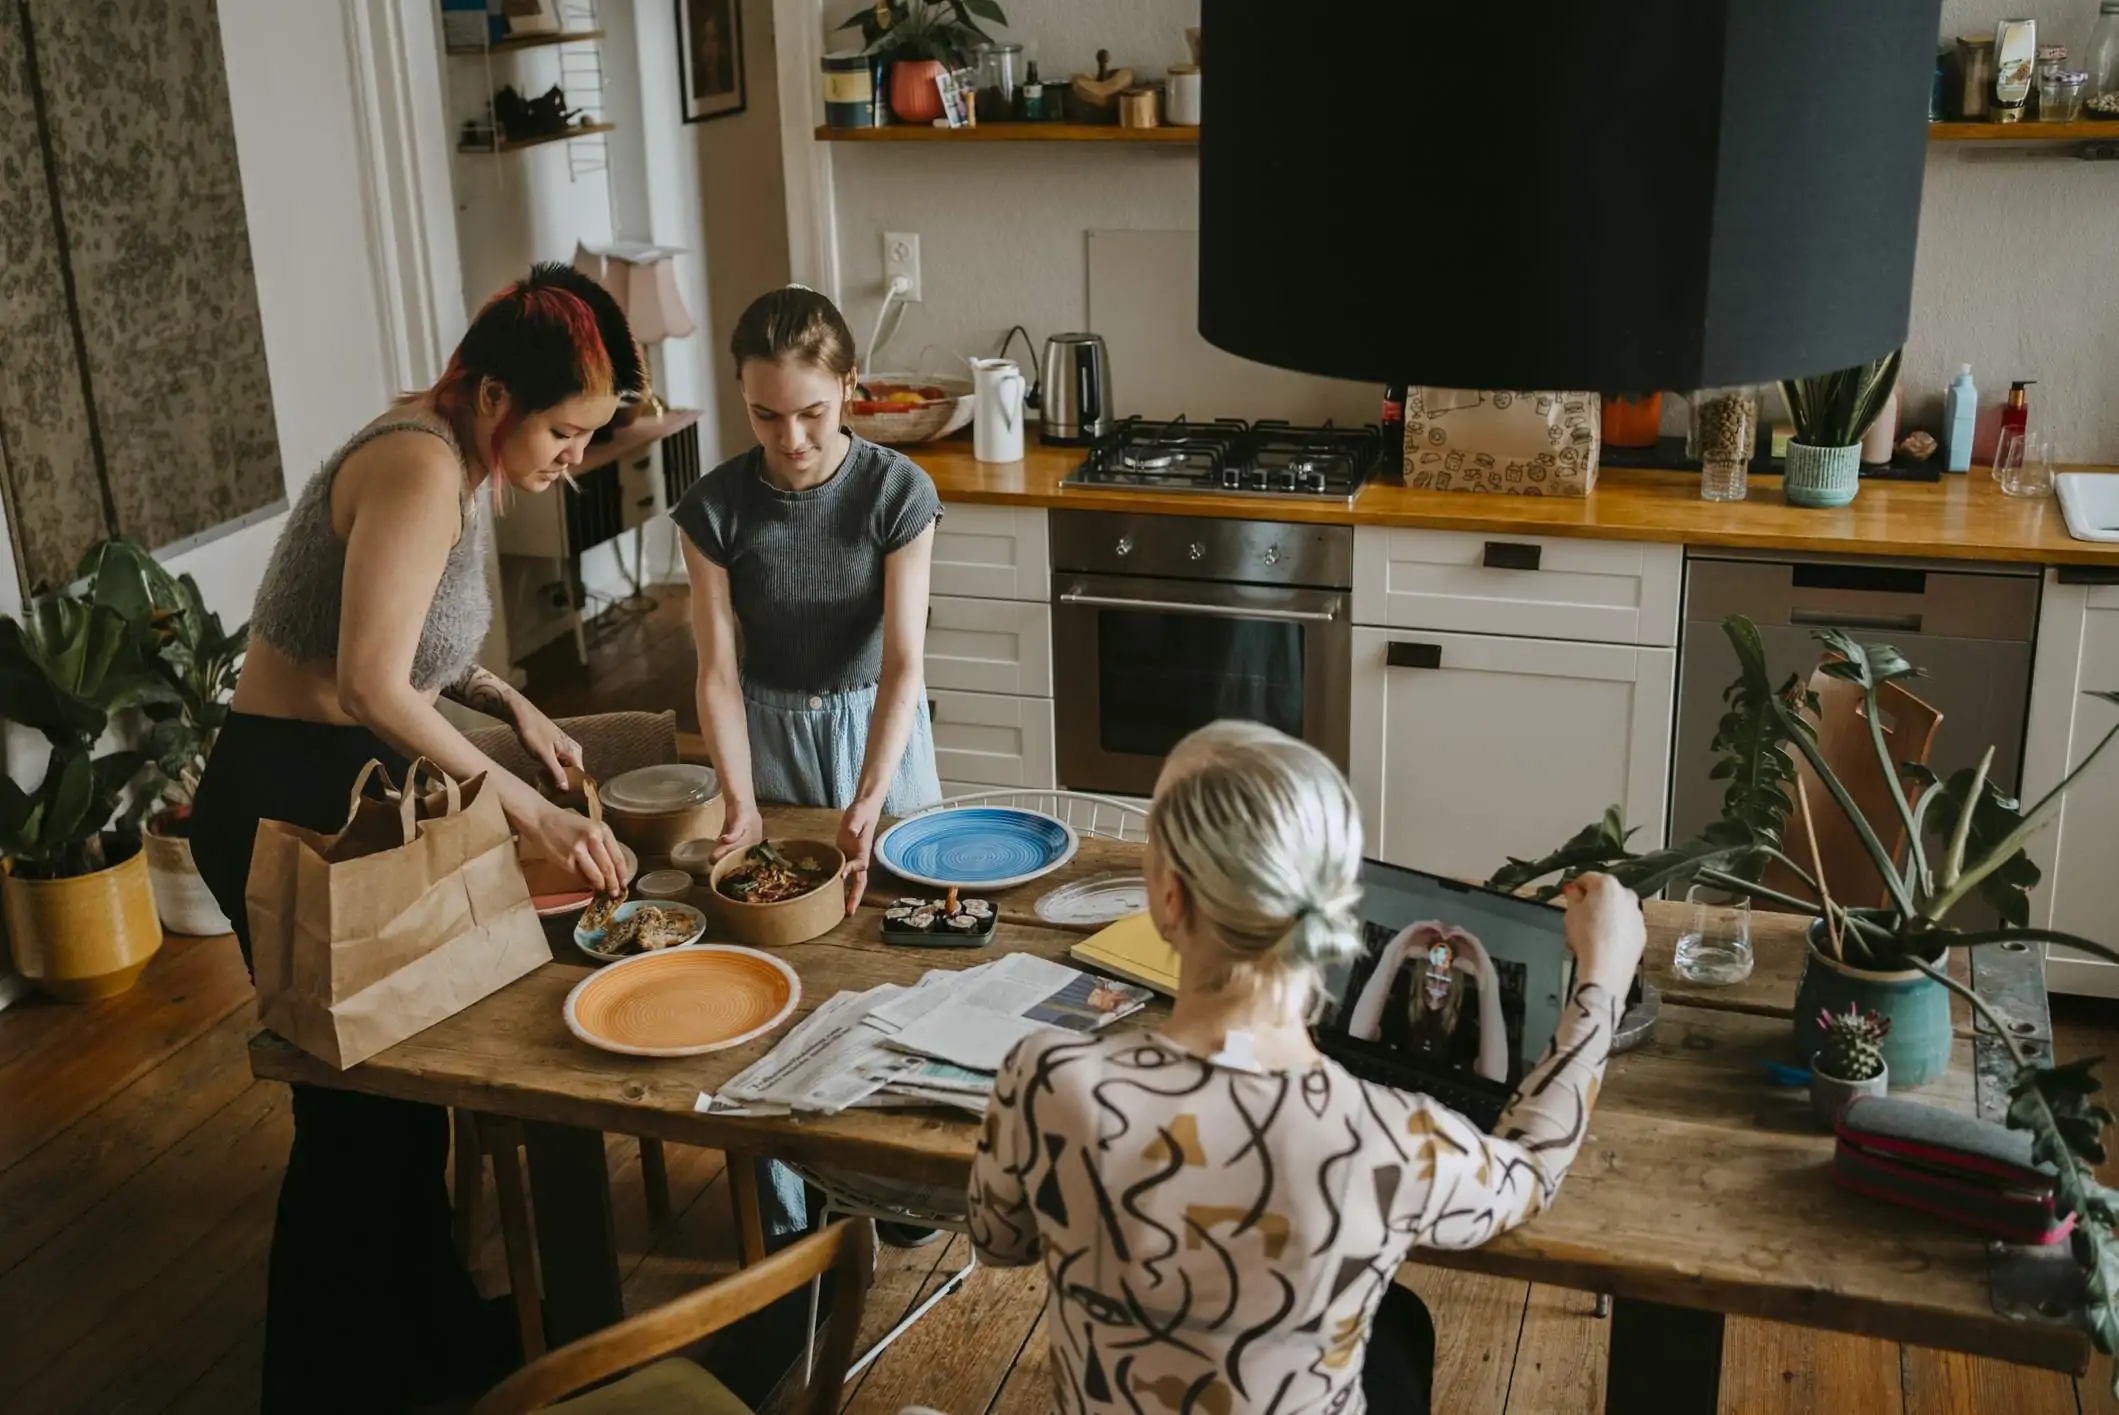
(1875, 579)
(1848, 619)
(931, 713)
(1511, 555)
(2088, 575)
(1400, 654)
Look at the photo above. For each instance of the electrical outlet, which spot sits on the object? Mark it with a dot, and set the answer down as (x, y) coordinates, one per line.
(901, 256)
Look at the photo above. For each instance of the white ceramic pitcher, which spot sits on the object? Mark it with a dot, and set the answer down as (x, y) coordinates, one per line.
(997, 422)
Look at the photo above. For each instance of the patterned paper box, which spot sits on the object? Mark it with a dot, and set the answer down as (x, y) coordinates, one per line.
(1523, 444)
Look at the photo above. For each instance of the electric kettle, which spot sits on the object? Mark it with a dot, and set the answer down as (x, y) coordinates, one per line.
(1076, 389)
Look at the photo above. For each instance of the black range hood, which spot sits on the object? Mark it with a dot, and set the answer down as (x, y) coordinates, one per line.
(1614, 196)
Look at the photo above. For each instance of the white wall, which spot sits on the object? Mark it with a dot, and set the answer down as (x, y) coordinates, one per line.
(2012, 274)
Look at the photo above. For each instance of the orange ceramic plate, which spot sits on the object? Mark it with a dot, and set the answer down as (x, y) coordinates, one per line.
(683, 1001)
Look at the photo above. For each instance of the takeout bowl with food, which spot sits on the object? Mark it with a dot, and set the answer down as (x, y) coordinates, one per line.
(898, 409)
(608, 933)
(779, 892)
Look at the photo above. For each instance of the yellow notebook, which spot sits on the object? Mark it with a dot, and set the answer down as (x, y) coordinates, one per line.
(1133, 950)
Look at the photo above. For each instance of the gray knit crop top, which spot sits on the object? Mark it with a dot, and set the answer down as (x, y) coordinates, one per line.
(298, 600)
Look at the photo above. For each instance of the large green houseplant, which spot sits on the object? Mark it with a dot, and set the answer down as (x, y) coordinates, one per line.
(1965, 836)
(198, 660)
(921, 38)
(80, 913)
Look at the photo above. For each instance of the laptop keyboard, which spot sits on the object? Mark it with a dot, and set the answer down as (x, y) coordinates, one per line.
(1477, 1099)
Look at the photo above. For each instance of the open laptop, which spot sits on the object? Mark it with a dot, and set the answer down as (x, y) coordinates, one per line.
(1458, 993)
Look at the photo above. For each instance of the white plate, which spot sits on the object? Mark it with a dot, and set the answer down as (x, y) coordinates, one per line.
(675, 786)
(585, 940)
(1092, 903)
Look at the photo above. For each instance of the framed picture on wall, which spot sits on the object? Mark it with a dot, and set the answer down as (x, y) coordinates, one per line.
(710, 58)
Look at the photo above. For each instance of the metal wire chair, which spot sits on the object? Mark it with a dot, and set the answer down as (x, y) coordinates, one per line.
(1097, 817)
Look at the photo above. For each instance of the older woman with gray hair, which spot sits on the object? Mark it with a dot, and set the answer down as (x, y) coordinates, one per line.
(1220, 1210)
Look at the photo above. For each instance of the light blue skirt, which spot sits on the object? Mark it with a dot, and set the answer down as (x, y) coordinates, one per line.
(806, 749)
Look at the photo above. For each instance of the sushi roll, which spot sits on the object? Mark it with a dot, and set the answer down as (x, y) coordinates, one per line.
(962, 923)
(977, 908)
(907, 904)
(898, 913)
(921, 920)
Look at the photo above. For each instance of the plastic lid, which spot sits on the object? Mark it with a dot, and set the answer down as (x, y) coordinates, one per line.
(1965, 370)
(673, 787)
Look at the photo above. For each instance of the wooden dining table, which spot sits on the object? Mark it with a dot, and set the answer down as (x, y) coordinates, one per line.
(1703, 1190)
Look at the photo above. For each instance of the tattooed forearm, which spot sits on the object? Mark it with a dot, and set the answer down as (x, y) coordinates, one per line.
(482, 690)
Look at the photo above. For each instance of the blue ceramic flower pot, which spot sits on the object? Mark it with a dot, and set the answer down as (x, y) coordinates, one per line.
(1917, 1050)
(1822, 477)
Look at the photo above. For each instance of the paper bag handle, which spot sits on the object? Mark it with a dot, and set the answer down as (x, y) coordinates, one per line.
(590, 796)
(373, 769)
(408, 799)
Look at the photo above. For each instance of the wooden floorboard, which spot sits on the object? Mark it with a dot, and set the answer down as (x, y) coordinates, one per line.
(1947, 1383)
(1770, 1369)
(958, 1356)
(1478, 1326)
(1028, 1389)
(1559, 1366)
(75, 1066)
(231, 1385)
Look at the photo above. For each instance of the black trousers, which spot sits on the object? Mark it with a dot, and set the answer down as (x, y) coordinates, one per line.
(368, 1307)
(1398, 1371)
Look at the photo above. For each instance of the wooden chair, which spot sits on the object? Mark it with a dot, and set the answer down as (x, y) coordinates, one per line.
(612, 744)
(676, 1386)
(1909, 727)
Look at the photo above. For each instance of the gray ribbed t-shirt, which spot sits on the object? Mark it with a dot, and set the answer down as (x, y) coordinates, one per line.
(805, 568)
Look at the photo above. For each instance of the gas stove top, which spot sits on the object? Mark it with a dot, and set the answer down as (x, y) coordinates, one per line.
(1234, 458)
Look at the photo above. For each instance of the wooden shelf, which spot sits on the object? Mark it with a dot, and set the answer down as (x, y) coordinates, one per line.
(518, 144)
(2087, 130)
(1012, 132)
(529, 41)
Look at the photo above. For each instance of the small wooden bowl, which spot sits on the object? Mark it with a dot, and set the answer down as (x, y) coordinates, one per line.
(790, 921)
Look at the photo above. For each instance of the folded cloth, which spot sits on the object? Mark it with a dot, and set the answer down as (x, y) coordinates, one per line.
(1954, 1166)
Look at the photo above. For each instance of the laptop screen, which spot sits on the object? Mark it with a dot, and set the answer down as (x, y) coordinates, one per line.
(1455, 977)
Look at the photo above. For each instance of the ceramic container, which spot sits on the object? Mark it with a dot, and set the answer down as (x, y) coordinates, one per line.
(84, 938)
(181, 897)
(1822, 477)
(913, 95)
(790, 921)
(1829, 1095)
(1917, 1050)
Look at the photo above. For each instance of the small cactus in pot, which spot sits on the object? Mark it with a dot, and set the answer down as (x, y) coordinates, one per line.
(1850, 1063)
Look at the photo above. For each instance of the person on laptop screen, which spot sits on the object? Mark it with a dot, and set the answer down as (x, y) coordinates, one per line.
(1219, 1208)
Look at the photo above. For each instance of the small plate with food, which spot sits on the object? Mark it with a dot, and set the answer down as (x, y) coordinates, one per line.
(779, 892)
(610, 929)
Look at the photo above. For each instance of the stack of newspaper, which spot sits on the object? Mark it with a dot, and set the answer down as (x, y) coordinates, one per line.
(935, 1043)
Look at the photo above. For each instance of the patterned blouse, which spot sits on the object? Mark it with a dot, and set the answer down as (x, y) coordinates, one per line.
(1215, 1240)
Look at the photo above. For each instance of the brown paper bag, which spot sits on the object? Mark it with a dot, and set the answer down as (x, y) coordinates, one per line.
(1524, 444)
(412, 912)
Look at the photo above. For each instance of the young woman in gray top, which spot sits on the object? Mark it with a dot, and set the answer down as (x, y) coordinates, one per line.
(812, 551)
(373, 604)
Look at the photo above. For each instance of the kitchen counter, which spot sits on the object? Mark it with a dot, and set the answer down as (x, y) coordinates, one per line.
(1958, 518)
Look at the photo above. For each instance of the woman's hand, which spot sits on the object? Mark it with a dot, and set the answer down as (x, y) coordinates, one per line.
(1605, 930)
(541, 738)
(587, 847)
(741, 828)
(857, 840)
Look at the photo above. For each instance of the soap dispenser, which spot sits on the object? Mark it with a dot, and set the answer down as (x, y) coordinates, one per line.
(1961, 415)
(2016, 412)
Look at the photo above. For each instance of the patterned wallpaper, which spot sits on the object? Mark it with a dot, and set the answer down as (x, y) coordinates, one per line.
(140, 146)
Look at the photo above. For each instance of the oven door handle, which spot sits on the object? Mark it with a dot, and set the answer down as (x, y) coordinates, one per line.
(1208, 611)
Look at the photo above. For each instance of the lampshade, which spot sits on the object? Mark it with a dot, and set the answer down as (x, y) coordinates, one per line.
(1595, 195)
(644, 282)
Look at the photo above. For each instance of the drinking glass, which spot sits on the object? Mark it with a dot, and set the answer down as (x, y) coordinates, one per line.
(2033, 472)
(2008, 458)
(1714, 946)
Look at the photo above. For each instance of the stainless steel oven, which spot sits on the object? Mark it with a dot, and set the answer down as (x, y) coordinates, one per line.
(1161, 624)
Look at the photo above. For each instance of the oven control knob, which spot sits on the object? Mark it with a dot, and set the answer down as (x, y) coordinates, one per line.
(1125, 545)
(1271, 555)
(1198, 551)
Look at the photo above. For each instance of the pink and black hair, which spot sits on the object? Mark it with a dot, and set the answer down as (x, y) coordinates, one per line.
(553, 335)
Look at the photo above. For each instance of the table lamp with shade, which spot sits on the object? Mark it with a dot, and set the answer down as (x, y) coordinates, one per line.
(643, 279)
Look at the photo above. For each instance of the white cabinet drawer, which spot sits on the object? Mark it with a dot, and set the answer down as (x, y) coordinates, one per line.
(992, 552)
(1466, 750)
(982, 741)
(1545, 587)
(989, 646)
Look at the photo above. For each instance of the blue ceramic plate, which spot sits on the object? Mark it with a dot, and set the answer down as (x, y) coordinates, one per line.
(976, 847)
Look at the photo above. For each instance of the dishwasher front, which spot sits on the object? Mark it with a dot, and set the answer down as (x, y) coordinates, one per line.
(1969, 625)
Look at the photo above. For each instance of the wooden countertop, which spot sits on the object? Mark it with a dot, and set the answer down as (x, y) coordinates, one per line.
(1958, 518)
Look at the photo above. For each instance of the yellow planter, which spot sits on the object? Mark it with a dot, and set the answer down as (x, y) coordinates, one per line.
(84, 938)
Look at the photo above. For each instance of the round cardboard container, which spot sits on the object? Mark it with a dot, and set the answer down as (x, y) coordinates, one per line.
(790, 921)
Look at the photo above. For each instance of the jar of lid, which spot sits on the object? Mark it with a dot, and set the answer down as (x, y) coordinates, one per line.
(1183, 102)
(1140, 107)
(2060, 95)
(1000, 70)
(851, 89)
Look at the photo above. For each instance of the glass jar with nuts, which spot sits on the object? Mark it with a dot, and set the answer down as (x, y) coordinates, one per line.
(1723, 437)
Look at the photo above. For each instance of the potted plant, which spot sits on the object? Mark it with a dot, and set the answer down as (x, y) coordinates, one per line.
(1849, 1064)
(80, 914)
(198, 660)
(922, 39)
(1831, 412)
(1964, 836)
(1632, 419)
